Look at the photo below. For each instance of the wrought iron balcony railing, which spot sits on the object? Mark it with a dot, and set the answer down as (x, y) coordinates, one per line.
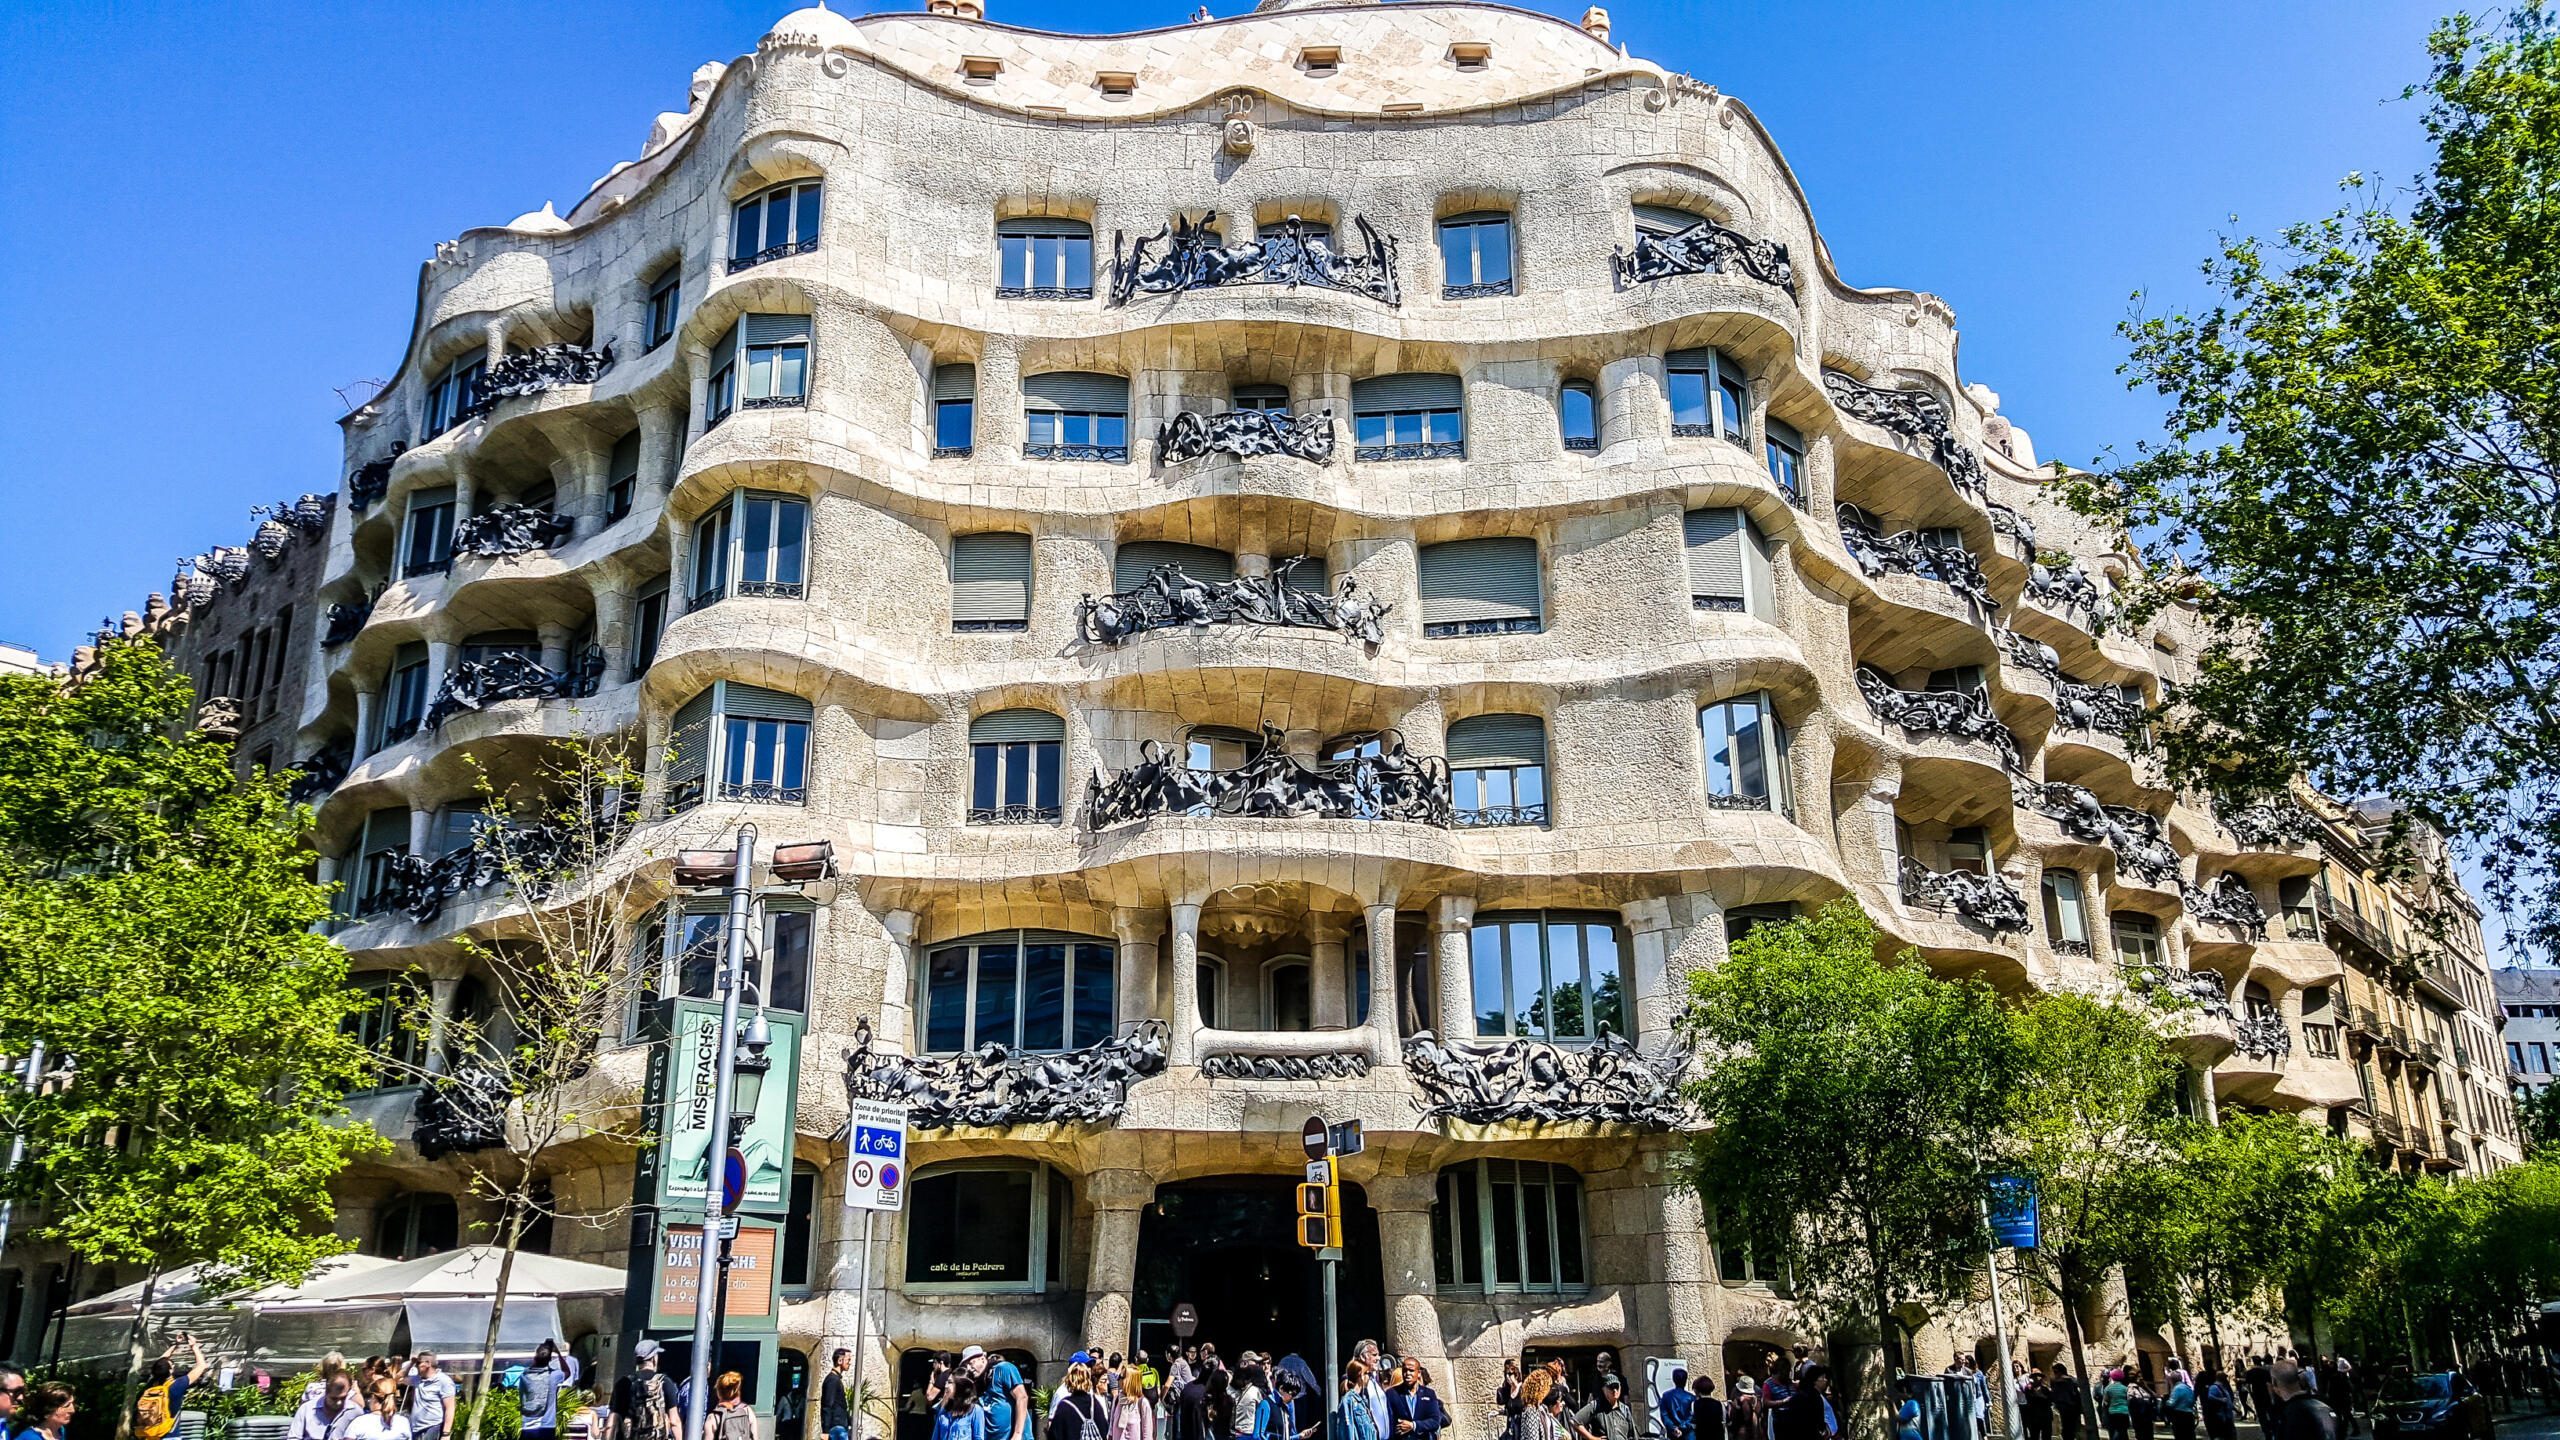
(1079, 454)
(1479, 291)
(773, 252)
(1171, 599)
(1607, 1081)
(1014, 814)
(763, 792)
(1188, 255)
(787, 401)
(2183, 987)
(2264, 1036)
(1915, 415)
(1244, 434)
(1414, 450)
(953, 452)
(996, 1086)
(2271, 826)
(319, 773)
(1044, 292)
(1272, 784)
(371, 481)
(1963, 714)
(1908, 554)
(1705, 248)
(2230, 903)
(1493, 817)
(1986, 900)
(2096, 708)
(344, 621)
(770, 589)
(544, 367)
(2141, 847)
(1502, 625)
(512, 675)
(511, 530)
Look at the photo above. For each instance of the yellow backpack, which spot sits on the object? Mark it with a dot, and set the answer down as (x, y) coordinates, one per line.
(151, 1417)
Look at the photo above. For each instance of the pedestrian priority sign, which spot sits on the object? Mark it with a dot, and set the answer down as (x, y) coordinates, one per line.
(876, 1156)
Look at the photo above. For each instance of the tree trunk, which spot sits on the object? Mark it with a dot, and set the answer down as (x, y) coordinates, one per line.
(2067, 1292)
(512, 1228)
(2213, 1327)
(135, 1341)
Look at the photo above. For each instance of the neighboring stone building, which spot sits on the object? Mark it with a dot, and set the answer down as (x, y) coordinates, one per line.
(2531, 999)
(1317, 562)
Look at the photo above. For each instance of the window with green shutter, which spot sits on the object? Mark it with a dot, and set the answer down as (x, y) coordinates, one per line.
(1137, 559)
(991, 581)
(1483, 586)
(1498, 770)
(1728, 562)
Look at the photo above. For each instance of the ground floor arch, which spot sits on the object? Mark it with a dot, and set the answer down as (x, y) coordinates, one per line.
(1226, 1245)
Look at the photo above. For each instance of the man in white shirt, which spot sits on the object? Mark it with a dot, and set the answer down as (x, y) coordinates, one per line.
(1373, 1394)
(327, 1415)
(430, 1398)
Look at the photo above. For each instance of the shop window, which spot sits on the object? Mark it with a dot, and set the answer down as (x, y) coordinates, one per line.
(1508, 1225)
(990, 1226)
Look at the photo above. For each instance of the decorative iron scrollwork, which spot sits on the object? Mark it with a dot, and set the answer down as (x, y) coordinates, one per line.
(1170, 599)
(544, 367)
(510, 529)
(2265, 1037)
(2062, 589)
(512, 675)
(2028, 653)
(996, 1086)
(1338, 1065)
(2184, 989)
(2141, 847)
(1246, 433)
(1080, 454)
(1907, 553)
(1916, 415)
(2271, 825)
(2005, 521)
(2080, 706)
(372, 480)
(1187, 255)
(1987, 900)
(345, 620)
(2230, 903)
(1964, 714)
(1702, 249)
(1607, 1082)
(465, 1110)
(1272, 784)
(319, 774)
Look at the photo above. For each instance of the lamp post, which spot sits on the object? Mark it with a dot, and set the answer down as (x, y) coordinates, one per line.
(750, 1063)
(733, 959)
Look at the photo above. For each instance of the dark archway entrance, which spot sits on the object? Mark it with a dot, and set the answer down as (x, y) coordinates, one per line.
(1227, 1246)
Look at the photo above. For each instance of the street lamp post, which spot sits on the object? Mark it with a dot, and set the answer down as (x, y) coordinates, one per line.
(733, 959)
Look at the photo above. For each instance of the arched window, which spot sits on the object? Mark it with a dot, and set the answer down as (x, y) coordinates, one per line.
(1076, 415)
(1021, 989)
(1408, 417)
(1014, 758)
(1548, 975)
(1578, 414)
(773, 223)
(1498, 770)
(1746, 754)
(987, 1226)
(755, 740)
(1709, 396)
(755, 543)
(1043, 257)
(1508, 1225)
(1475, 255)
(409, 1226)
(1289, 994)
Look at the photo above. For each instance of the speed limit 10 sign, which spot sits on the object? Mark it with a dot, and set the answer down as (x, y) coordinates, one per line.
(876, 1160)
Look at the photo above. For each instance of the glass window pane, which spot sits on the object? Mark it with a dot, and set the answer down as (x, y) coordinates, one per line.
(698, 962)
(1095, 987)
(1079, 263)
(1732, 402)
(1751, 771)
(982, 776)
(806, 231)
(998, 967)
(1457, 255)
(795, 755)
(1608, 983)
(946, 999)
(744, 226)
(1528, 978)
(1506, 1230)
(1538, 1240)
(733, 767)
(1371, 430)
(1470, 1235)
(1565, 980)
(791, 370)
(787, 960)
(1492, 1000)
(1040, 427)
(1044, 758)
(1531, 783)
(1493, 253)
(1467, 789)
(1444, 427)
(1409, 427)
(1017, 773)
(953, 423)
(1013, 261)
(1444, 1258)
(1044, 996)
(791, 527)
(1568, 1196)
(1048, 261)
(756, 553)
(1688, 397)
(1111, 430)
(1575, 405)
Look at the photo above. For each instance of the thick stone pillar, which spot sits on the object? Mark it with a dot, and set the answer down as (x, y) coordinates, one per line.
(1183, 1046)
(1453, 919)
(1330, 973)
(853, 1279)
(679, 570)
(555, 646)
(439, 665)
(1120, 1197)
(610, 589)
(1386, 1045)
(661, 429)
(366, 702)
(1403, 1204)
(1652, 935)
(422, 828)
(1138, 931)
(441, 993)
(898, 987)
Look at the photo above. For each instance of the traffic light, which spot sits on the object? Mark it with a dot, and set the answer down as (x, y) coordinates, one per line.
(1320, 1211)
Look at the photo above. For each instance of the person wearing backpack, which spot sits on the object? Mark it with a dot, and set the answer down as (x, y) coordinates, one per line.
(164, 1390)
(1079, 1413)
(644, 1403)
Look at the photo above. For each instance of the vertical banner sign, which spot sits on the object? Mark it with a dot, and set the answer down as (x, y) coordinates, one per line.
(876, 1160)
(689, 1155)
(2013, 1212)
(752, 1278)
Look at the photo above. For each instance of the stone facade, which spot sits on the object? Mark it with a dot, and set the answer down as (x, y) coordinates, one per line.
(1729, 664)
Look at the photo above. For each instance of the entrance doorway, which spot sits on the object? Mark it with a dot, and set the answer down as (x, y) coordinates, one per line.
(1227, 1245)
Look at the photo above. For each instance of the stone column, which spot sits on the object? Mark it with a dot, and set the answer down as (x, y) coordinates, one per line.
(661, 427)
(679, 570)
(1386, 1044)
(1183, 1046)
(441, 993)
(1403, 1204)
(366, 702)
(439, 665)
(610, 591)
(555, 646)
(853, 1278)
(580, 482)
(1330, 974)
(1120, 1198)
(1634, 405)
(1453, 919)
(898, 988)
(422, 825)
(1652, 935)
(1685, 1266)
(465, 493)
(1138, 931)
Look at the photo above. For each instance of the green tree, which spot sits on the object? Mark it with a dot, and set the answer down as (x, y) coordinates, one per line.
(2538, 1121)
(2359, 483)
(2097, 1133)
(2246, 1199)
(159, 924)
(1850, 1109)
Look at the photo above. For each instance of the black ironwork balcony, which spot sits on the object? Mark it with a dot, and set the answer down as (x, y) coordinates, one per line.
(988, 627)
(770, 589)
(1482, 289)
(1907, 553)
(996, 1086)
(2062, 589)
(792, 401)
(2140, 844)
(2388, 1130)
(2094, 707)
(1986, 900)
(1044, 292)
(1272, 784)
(2181, 987)
(511, 529)
(530, 372)
(1188, 255)
(1078, 454)
(1495, 817)
(1915, 415)
(461, 1112)
(1607, 1081)
(763, 792)
(1015, 814)
(772, 252)
(954, 452)
(2230, 903)
(1244, 434)
(1963, 714)
(1705, 248)
(430, 565)
(1586, 444)
(371, 481)
(1171, 600)
(2355, 927)
(2027, 653)
(344, 621)
(2005, 521)
(1503, 625)
(1720, 800)
(320, 773)
(1730, 604)
(1413, 450)
(2264, 1036)
(512, 675)
(395, 731)
(2078, 948)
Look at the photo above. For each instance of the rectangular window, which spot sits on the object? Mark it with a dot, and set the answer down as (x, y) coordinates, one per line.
(778, 965)
(2066, 923)
(991, 581)
(1416, 416)
(1519, 1222)
(1484, 586)
(648, 622)
(454, 395)
(1475, 255)
(1578, 414)
(404, 696)
(1013, 782)
(1746, 755)
(1021, 989)
(429, 547)
(1548, 975)
(775, 355)
(1076, 415)
(1044, 259)
(1497, 770)
(955, 411)
(622, 484)
(772, 224)
(1728, 563)
(1709, 396)
(755, 544)
(1786, 460)
(2137, 939)
(666, 295)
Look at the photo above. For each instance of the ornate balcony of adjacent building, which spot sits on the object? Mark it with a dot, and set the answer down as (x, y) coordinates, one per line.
(1172, 600)
(2387, 1130)
(1382, 781)
(475, 685)
(2358, 932)
(1705, 248)
(503, 530)
(2435, 976)
(1189, 254)
(2424, 1054)
(2363, 1024)
(1246, 435)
